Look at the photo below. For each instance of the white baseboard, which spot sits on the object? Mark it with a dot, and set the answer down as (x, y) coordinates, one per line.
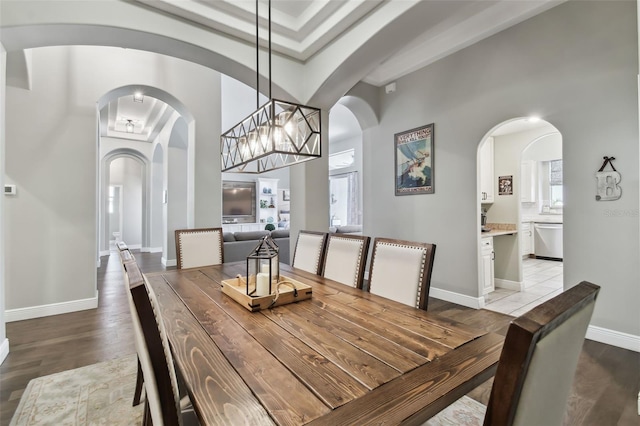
(104, 253)
(460, 299)
(170, 262)
(135, 246)
(509, 285)
(30, 312)
(98, 263)
(151, 249)
(4, 350)
(614, 338)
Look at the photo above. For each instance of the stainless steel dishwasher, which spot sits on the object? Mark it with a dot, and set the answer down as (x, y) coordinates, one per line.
(548, 240)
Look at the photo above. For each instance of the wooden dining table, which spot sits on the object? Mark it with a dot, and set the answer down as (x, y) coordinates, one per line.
(343, 357)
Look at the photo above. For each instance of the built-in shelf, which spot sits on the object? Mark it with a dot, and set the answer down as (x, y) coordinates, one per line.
(267, 196)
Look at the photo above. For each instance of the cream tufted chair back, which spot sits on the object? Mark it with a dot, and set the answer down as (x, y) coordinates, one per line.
(401, 271)
(309, 253)
(345, 259)
(199, 247)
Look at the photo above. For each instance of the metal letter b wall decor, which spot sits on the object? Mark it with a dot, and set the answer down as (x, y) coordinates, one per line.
(607, 182)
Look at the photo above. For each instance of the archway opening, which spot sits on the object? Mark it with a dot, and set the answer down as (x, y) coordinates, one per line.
(124, 201)
(520, 196)
(155, 129)
(345, 168)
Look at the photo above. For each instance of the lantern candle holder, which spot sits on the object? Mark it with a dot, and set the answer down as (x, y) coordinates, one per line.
(263, 268)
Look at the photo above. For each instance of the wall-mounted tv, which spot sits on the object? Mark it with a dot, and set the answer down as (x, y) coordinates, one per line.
(238, 202)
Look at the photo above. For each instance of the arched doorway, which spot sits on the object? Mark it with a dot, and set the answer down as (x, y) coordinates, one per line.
(124, 198)
(345, 168)
(360, 117)
(160, 135)
(517, 198)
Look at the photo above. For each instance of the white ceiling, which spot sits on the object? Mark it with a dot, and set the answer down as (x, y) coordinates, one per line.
(302, 29)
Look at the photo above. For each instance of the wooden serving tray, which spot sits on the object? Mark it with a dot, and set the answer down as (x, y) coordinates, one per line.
(236, 289)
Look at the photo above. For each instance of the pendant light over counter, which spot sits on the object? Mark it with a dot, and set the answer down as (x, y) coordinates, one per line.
(278, 134)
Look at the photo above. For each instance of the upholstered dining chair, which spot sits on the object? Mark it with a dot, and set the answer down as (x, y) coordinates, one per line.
(537, 365)
(309, 252)
(345, 258)
(401, 271)
(162, 402)
(199, 247)
(131, 273)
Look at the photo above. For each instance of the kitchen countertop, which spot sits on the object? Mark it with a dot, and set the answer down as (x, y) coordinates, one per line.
(500, 229)
(497, 232)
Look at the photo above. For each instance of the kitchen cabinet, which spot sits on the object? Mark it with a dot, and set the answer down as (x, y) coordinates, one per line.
(526, 239)
(488, 257)
(267, 201)
(487, 175)
(528, 181)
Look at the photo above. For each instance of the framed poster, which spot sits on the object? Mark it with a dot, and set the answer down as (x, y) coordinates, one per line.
(505, 185)
(414, 161)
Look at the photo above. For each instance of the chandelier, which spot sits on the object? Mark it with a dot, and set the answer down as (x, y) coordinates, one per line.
(278, 134)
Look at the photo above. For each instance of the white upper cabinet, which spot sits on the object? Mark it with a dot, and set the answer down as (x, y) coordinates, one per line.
(487, 177)
(528, 181)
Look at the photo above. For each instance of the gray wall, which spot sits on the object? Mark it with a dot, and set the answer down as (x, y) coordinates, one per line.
(177, 183)
(54, 162)
(4, 343)
(575, 66)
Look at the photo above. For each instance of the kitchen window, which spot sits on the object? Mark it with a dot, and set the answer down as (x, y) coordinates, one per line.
(555, 184)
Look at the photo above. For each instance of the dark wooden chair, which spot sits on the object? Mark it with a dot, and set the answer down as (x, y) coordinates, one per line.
(401, 271)
(537, 363)
(199, 247)
(345, 258)
(163, 405)
(309, 252)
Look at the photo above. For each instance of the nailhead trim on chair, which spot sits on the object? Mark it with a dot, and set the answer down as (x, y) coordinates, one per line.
(197, 232)
(424, 259)
(360, 244)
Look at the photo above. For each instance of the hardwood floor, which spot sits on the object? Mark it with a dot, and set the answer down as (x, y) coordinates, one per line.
(604, 393)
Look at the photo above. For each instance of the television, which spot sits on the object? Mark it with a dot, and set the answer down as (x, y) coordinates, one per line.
(238, 202)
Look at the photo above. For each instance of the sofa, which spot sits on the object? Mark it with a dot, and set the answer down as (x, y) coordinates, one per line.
(237, 245)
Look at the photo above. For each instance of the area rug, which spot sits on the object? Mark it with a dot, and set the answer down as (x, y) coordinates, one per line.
(464, 412)
(98, 394)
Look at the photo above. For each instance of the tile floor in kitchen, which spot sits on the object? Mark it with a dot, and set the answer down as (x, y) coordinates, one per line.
(543, 279)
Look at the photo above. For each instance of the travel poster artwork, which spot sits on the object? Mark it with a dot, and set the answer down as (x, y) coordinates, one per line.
(414, 161)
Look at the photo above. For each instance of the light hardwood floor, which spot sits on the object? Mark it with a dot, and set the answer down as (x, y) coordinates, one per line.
(605, 390)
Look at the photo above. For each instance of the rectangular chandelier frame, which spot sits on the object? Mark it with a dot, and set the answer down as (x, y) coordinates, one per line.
(276, 135)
